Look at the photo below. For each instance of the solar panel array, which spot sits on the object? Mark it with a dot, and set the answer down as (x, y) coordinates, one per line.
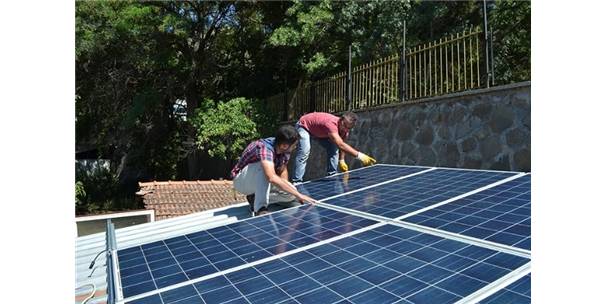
(356, 179)
(403, 196)
(163, 263)
(385, 265)
(499, 214)
(361, 245)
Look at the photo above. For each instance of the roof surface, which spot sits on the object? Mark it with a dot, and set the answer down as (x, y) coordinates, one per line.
(176, 198)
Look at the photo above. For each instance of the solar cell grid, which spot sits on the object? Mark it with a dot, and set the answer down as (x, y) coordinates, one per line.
(163, 263)
(517, 292)
(401, 197)
(341, 183)
(500, 214)
(359, 269)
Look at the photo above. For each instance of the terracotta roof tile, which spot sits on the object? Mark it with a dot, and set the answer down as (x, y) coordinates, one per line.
(175, 198)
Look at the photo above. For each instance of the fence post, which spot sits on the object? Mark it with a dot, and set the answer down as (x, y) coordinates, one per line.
(285, 100)
(485, 11)
(349, 91)
(402, 69)
(491, 57)
(312, 97)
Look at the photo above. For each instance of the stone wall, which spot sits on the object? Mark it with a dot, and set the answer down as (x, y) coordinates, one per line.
(480, 129)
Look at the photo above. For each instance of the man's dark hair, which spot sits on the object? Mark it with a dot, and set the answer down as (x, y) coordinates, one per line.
(350, 117)
(286, 134)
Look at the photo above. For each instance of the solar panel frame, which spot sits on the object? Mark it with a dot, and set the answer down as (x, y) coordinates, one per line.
(381, 270)
(485, 212)
(320, 246)
(164, 263)
(410, 200)
(354, 180)
(517, 292)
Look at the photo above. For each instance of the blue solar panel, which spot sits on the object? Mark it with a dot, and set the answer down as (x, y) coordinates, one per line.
(163, 263)
(500, 214)
(364, 177)
(401, 197)
(516, 293)
(384, 265)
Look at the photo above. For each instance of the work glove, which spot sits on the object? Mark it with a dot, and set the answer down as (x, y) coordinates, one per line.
(343, 166)
(365, 159)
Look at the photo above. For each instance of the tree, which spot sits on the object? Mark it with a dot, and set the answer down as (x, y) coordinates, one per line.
(322, 32)
(224, 129)
(136, 60)
(510, 22)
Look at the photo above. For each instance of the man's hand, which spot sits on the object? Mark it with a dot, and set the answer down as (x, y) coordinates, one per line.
(366, 160)
(304, 198)
(343, 166)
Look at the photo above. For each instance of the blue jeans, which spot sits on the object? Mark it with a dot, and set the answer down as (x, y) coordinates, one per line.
(303, 150)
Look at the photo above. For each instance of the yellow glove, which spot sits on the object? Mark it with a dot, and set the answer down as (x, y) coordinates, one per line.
(366, 160)
(343, 166)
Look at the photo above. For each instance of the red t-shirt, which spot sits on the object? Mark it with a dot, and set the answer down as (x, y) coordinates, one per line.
(320, 124)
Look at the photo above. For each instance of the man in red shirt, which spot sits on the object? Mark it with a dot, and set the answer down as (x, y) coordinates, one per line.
(331, 131)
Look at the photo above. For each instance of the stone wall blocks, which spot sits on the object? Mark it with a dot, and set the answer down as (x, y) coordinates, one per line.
(468, 144)
(462, 129)
(502, 118)
(517, 137)
(490, 147)
(472, 162)
(425, 136)
(424, 156)
(482, 110)
(521, 160)
(405, 130)
(444, 132)
(487, 130)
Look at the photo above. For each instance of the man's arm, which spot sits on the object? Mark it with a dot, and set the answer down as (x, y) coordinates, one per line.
(283, 172)
(343, 146)
(272, 177)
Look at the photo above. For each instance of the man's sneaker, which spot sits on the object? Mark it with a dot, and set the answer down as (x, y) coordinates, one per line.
(251, 202)
(262, 210)
(296, 183)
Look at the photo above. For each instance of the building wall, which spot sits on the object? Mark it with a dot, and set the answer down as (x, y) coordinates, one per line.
(480, 129)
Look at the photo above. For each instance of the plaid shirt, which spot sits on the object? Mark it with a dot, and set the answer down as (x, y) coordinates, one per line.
(262, 149)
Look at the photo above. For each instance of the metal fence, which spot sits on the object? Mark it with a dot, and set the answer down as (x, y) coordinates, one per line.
(443, 66)
(447, 65)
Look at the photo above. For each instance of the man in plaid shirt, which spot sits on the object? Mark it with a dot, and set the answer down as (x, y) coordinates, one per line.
(263, 162)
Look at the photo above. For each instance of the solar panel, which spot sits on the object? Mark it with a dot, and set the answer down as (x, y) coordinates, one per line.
(384, 265)
(301, 255)
(499, 214)
(518, 293)
(354, 180)
(398, 198)
(163, 263)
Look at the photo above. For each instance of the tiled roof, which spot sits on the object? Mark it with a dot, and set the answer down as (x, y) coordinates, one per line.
(176, 198)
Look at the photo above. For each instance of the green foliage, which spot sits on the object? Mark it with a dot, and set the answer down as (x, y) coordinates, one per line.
(135, 59)
(224, 129)
(97, 189)
(322, 31)
(510, 22)
(80, 194)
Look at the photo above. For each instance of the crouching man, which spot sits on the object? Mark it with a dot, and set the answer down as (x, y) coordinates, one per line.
(263, 162)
